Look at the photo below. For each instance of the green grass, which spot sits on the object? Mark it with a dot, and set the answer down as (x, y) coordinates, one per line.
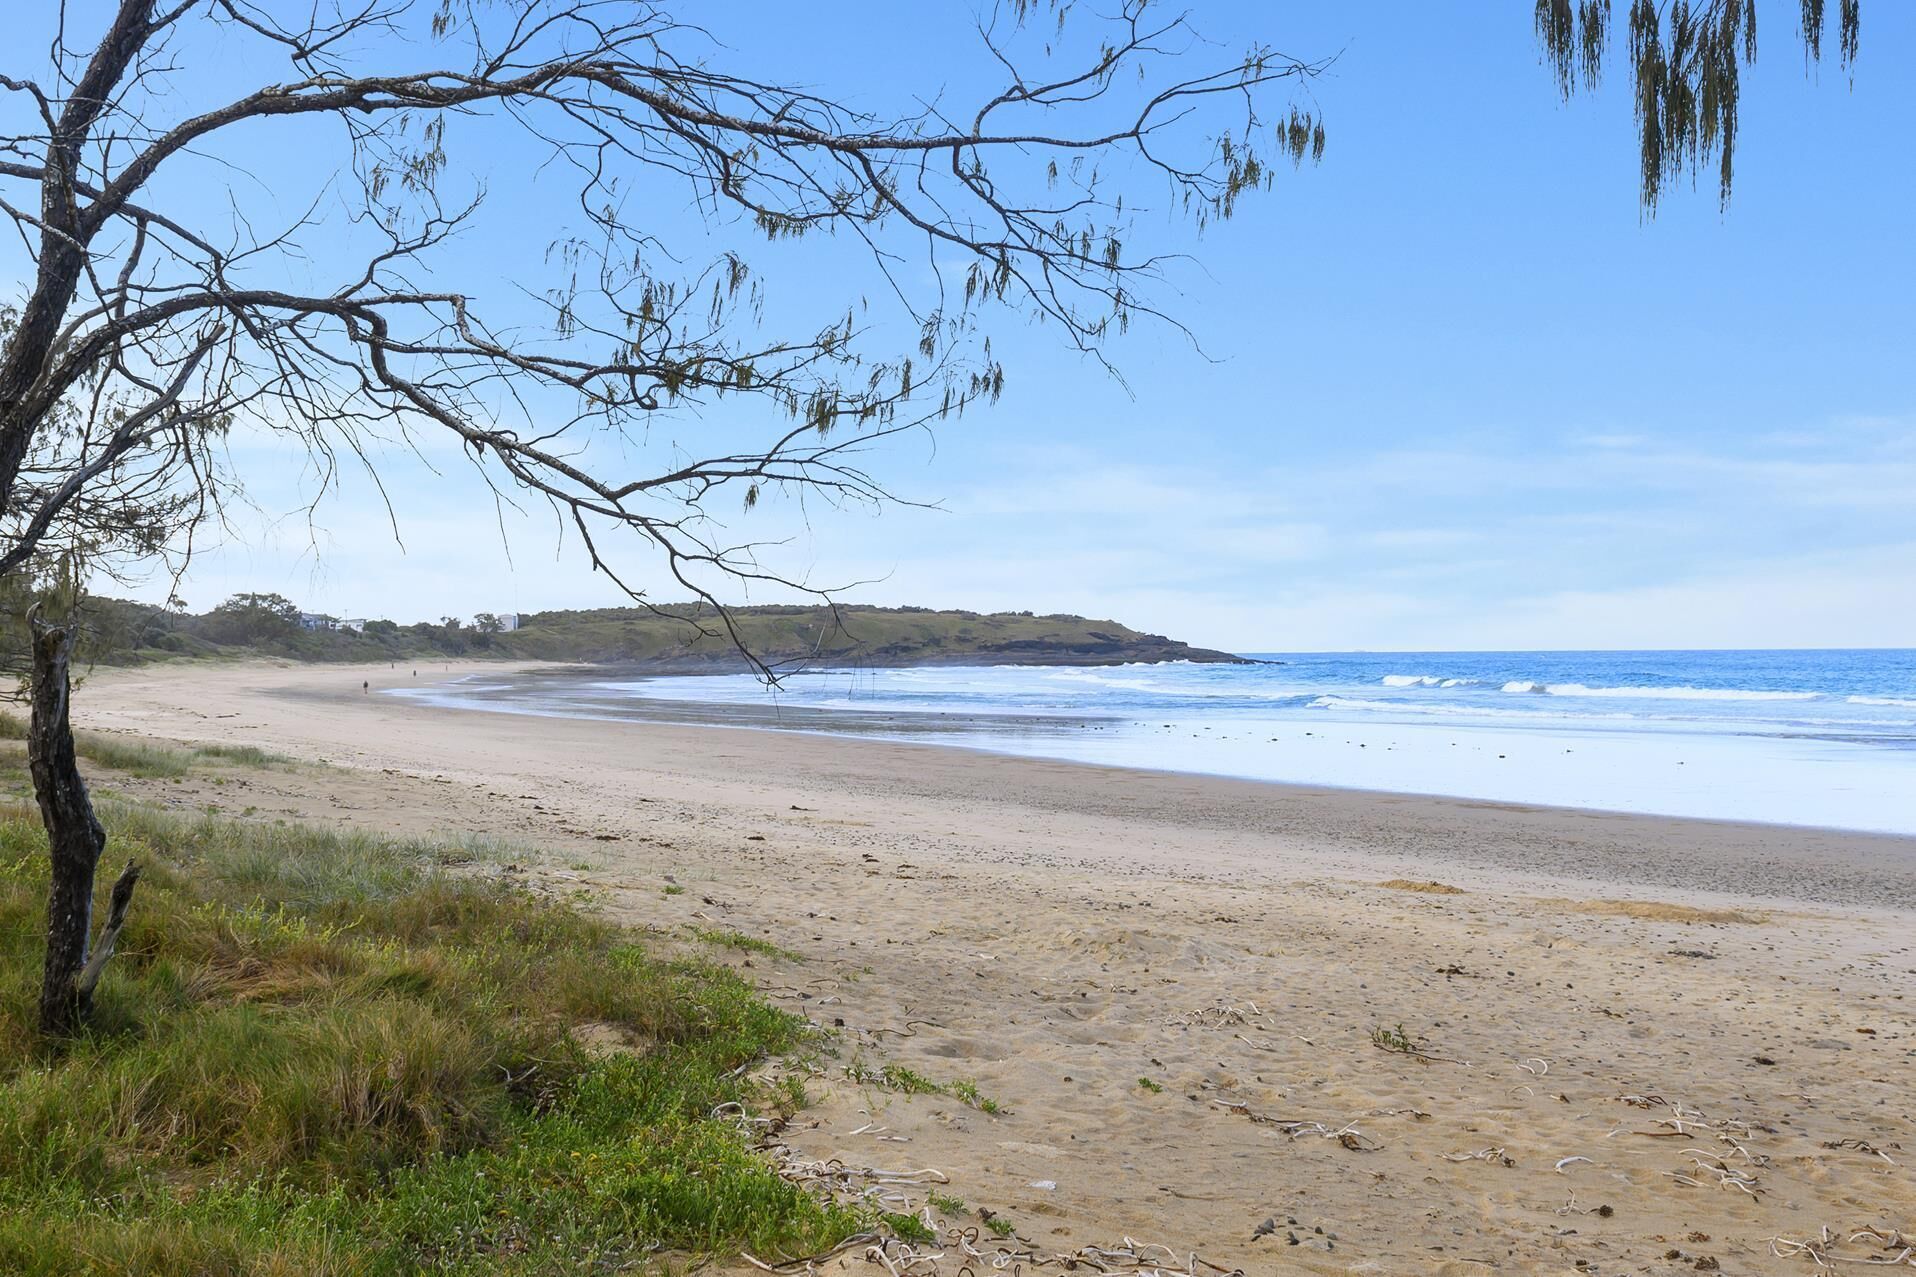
(748, 944)
(908, 1227)
(145, 758)
(896, 1077)
(906, 1081)
(246, 755)
(325, 1053)
(1156, 1088)
(966, 1092)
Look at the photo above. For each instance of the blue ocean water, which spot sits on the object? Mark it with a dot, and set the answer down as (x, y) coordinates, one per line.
(1850, 694)
(1795, 737)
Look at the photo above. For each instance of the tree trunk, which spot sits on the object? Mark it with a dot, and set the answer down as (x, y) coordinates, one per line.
(75, 840)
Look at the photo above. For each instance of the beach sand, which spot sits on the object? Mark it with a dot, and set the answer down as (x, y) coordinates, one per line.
(1642, 1045)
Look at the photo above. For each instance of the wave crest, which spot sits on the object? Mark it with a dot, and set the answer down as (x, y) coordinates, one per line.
(1680, 693)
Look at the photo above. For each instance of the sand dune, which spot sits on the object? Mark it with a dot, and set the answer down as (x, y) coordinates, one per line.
(1621, 1045)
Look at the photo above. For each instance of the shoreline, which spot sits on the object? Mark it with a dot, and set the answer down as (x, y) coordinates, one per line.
(672, 712)
(1704, 770)
(1172, 988)
(1271, 827)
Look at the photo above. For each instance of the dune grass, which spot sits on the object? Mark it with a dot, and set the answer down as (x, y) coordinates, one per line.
(146, 758)
(327, 1053)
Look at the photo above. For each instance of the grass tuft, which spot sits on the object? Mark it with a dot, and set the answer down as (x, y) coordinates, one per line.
(147, 759)
(325, 1052)
(748, 944)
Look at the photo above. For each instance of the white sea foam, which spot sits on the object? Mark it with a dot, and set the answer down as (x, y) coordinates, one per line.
(1437, 709)
(1424, 680)
(1892, 702)
(1527, 687)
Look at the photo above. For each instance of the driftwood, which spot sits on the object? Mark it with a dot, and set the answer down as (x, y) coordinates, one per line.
(75, 840)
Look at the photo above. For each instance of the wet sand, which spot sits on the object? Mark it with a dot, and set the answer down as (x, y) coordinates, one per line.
(1715, 1015)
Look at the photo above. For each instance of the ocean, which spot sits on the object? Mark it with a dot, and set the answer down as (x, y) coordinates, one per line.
(1823, 738)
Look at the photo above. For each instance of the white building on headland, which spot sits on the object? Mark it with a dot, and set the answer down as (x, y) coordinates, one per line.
(356, 624)
(508, 621)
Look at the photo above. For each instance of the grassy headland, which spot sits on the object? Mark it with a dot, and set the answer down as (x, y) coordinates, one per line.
(675, 638)
(329, 1053)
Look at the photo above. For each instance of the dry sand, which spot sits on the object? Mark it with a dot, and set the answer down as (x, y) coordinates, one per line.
(1645, 1045)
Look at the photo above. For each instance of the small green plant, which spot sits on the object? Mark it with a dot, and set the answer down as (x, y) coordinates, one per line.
(999, 1226)
(966, 1091)
(748, 944)
(1156, 1088)
(673, 889)
(896, 1077)
(907, 1228)
(1399, 1042)
(790, 1093)
(946, 1203)
(907, 1081)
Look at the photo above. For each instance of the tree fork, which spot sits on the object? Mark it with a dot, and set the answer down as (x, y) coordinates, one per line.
(75, 840)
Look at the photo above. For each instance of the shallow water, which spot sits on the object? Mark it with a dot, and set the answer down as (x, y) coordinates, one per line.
(1792, 737)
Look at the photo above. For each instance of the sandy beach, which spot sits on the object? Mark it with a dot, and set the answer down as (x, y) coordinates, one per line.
(1635, 1044)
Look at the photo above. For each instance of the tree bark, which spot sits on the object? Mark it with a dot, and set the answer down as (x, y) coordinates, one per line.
(65, 233)
(75, 840)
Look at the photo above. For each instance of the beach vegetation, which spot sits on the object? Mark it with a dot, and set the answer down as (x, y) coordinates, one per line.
(326, 1052)
(1388, 1038)
(946, 1203)
(896, 1077)
(909, 1081)
(747, 944)
(147, 759)
(908, 1227)
(1156, 1088)
(966, 1091)
(1398, 1041)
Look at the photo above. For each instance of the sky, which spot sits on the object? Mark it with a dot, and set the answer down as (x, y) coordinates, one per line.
(1447, 389)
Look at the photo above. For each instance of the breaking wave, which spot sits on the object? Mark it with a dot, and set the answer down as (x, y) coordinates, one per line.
(1526, 687)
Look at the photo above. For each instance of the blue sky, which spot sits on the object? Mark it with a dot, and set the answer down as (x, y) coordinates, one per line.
(1454, 391)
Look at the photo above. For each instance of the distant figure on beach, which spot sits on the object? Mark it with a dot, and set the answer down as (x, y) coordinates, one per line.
(366, 685)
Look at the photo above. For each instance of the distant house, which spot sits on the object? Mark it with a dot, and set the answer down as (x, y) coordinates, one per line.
(316, 621)
(508, 621)
(357, 625)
